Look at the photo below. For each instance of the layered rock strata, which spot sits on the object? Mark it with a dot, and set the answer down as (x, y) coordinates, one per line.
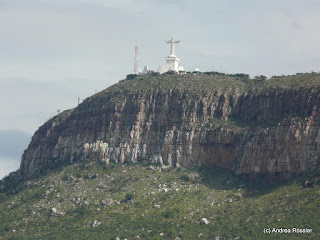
(271, 132)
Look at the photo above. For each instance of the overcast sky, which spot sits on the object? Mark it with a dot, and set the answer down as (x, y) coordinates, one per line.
(51, 52)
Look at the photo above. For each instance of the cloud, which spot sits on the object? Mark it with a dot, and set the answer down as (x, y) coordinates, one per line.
(54, 51)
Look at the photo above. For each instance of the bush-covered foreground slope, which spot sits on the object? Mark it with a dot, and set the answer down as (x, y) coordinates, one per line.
(74, 202)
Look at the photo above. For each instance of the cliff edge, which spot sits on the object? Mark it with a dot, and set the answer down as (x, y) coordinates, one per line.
(267, 129)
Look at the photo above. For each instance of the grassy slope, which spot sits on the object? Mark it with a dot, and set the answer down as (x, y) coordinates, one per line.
(226, 83)
(253, 207)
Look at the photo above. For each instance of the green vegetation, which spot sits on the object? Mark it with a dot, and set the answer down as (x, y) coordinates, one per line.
(302, 80)
(67, 204)
(171, 81)
(194, 85)
(129, 196)
(213, 81)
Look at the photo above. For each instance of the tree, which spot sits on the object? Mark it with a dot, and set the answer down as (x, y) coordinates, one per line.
(260, 78)
(131, 76)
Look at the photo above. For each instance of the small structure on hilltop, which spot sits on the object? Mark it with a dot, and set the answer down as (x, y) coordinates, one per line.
(172, 62)
(136, 60)
(137, 69)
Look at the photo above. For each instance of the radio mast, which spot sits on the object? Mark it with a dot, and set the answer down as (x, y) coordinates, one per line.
(136, 61)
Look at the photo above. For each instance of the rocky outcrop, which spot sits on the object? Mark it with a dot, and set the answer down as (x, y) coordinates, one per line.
(267, 132)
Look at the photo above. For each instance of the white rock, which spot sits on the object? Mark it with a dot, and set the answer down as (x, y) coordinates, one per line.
(53, 211)
(95, 223)
(164, 167)
(107, 202)
(151, 167)
(204, 221)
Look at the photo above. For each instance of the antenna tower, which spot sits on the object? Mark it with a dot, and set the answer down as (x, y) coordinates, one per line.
(136, 60)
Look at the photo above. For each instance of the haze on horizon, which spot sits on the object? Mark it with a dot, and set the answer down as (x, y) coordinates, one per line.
(53, 52)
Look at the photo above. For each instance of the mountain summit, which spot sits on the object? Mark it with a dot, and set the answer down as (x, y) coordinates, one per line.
(259, 128)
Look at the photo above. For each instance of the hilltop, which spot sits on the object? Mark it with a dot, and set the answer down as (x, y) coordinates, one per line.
(263, 129)
(172, 156)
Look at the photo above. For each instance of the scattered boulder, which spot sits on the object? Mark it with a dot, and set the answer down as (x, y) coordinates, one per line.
(94, 223)
(165, 189)
(151, 167)
(229, 200)
(194, 175)
(92, 176)
(156, 206)
(204, 221)
(239, 195)
(76, 200)
(53, 211)
(107, 202)
(164, 167)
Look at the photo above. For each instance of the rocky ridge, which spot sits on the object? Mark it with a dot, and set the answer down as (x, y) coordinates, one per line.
(267, 129)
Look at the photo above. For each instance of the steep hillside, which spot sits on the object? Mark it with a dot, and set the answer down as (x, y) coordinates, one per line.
(261, 129)
(136, 201)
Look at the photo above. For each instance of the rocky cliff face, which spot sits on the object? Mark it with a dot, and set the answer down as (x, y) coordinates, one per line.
(258, 129)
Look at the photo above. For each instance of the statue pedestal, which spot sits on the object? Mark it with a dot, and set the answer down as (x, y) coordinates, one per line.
(172, 63)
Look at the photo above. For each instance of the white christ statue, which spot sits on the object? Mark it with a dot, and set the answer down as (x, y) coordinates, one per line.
(172, 41)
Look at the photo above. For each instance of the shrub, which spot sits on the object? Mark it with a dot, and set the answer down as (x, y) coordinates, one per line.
(155, 74)
(129, 196)
(260, 78)
(65, 177)
(131, 76)
(3, 196)
(185, 178)
(170, 73)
